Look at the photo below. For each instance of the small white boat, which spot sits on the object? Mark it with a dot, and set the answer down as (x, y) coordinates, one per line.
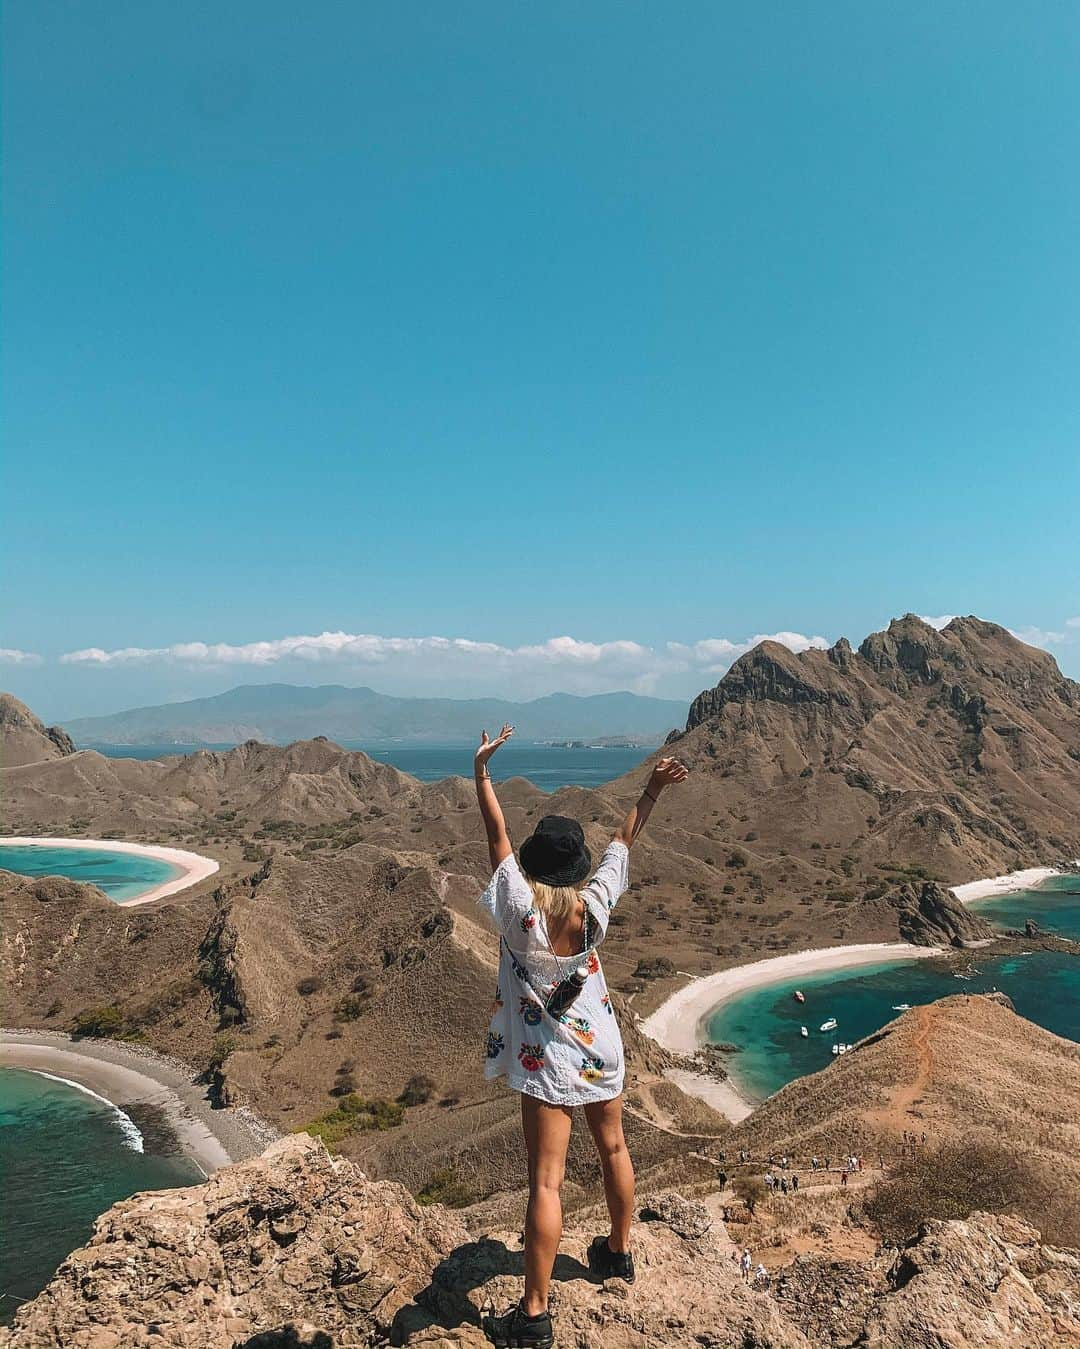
(901, 1006)
(830, 1024)
(799, 995)
(803, 1032)
(840, 1048)
(836, 1049)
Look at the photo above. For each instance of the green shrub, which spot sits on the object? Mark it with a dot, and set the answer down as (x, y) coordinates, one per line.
(223, 1046)
(418, 1090)
(105, 1022)
(446, 1187)
(354, 1115)
(350, 1007)
(311, 983)
(750, 1189)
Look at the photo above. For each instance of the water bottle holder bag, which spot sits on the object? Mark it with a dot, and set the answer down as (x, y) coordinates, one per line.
(551, 1002)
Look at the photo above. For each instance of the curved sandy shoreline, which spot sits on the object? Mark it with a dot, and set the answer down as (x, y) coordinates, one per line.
(1003, 885)
(124, 1076)
(193, 866)
(678, 1023)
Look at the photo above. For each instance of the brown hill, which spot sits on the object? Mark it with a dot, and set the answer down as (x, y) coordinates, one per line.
(25, 739)
(312, 979)
(965, 1067)
(957, 750)
(294, 1249)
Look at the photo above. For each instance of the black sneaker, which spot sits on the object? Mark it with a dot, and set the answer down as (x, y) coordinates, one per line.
(608, 1264)
(515, 1330)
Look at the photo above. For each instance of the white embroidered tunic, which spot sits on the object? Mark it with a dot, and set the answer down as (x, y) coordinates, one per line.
(579, 1057)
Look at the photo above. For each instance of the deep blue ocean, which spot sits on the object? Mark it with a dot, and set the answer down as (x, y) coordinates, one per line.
(548, 766)
(1045, 987)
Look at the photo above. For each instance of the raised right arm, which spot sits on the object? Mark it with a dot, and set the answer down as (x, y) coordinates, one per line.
(666, 773)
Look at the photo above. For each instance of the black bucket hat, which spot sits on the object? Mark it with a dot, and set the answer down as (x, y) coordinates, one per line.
(555, 852)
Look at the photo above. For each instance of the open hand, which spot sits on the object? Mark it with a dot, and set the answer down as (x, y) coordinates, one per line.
(488, 747)
(666, 773)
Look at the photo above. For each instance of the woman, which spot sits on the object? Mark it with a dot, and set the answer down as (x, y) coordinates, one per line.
(553, 1033)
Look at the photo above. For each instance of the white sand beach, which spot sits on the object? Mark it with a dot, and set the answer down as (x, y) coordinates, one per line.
(193, 866)
(124, 1076)
(679, 1023)
(1002, 885)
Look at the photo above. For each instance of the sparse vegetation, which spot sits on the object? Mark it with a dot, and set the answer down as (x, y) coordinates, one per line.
(311, 983)
(958, 1177)
(100, 1023)
(418, 1090)
(446, 1187)
(751, 1190)
(354, 1115)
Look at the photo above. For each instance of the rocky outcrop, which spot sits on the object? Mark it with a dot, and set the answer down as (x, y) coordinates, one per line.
(984, 1282)
(289, 1243)
(25, 739)
(768, 673)
(294, 1248)
(929, 915)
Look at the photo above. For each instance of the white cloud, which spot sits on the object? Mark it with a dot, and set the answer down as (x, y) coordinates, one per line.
(942, 620)
(1038, 636)
(580, 665)
(1072, 622)
(11, 655)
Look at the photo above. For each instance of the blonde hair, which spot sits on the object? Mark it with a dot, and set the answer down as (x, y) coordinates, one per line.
(555, 901)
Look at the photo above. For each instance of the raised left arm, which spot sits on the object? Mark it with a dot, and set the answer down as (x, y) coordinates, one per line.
(498, 840)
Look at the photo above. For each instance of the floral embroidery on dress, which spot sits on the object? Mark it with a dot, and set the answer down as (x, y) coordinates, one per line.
(531, 1012)
(519, 969)
(532, 1057)
(528, 921)
(593, 963)
(605, 1002)
(592, 1068)
(581, 1028)
(497, 1004)
(495, 1045)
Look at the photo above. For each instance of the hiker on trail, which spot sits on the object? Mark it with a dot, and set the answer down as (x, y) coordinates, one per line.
(761, 1276)
(783, 1185)
(794, 1183)
(843, 1178)
(745, 1264)
(813, 1163)
(553, 1032)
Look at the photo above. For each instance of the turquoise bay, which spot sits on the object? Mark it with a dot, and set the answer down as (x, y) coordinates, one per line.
(121, 875)
(765, 1022)
(65, 1156)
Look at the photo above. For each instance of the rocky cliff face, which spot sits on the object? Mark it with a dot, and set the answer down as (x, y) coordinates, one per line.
(25, 739)
(294, 1249)
(928, 915)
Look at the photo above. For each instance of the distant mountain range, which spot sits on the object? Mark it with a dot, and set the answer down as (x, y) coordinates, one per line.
(281, 713)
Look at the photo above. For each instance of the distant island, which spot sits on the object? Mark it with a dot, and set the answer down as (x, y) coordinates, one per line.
(280, 713)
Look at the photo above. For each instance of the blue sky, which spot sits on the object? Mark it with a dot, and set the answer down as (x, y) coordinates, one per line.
(640, 325)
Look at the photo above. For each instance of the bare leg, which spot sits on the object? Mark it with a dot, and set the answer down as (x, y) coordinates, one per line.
(605, 1124)
(547, 1136)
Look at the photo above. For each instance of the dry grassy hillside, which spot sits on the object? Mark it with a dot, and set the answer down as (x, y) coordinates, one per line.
(965, 1065)
(314, 981)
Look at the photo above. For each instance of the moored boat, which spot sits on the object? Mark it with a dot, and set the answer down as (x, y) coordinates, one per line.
(829, 1025)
